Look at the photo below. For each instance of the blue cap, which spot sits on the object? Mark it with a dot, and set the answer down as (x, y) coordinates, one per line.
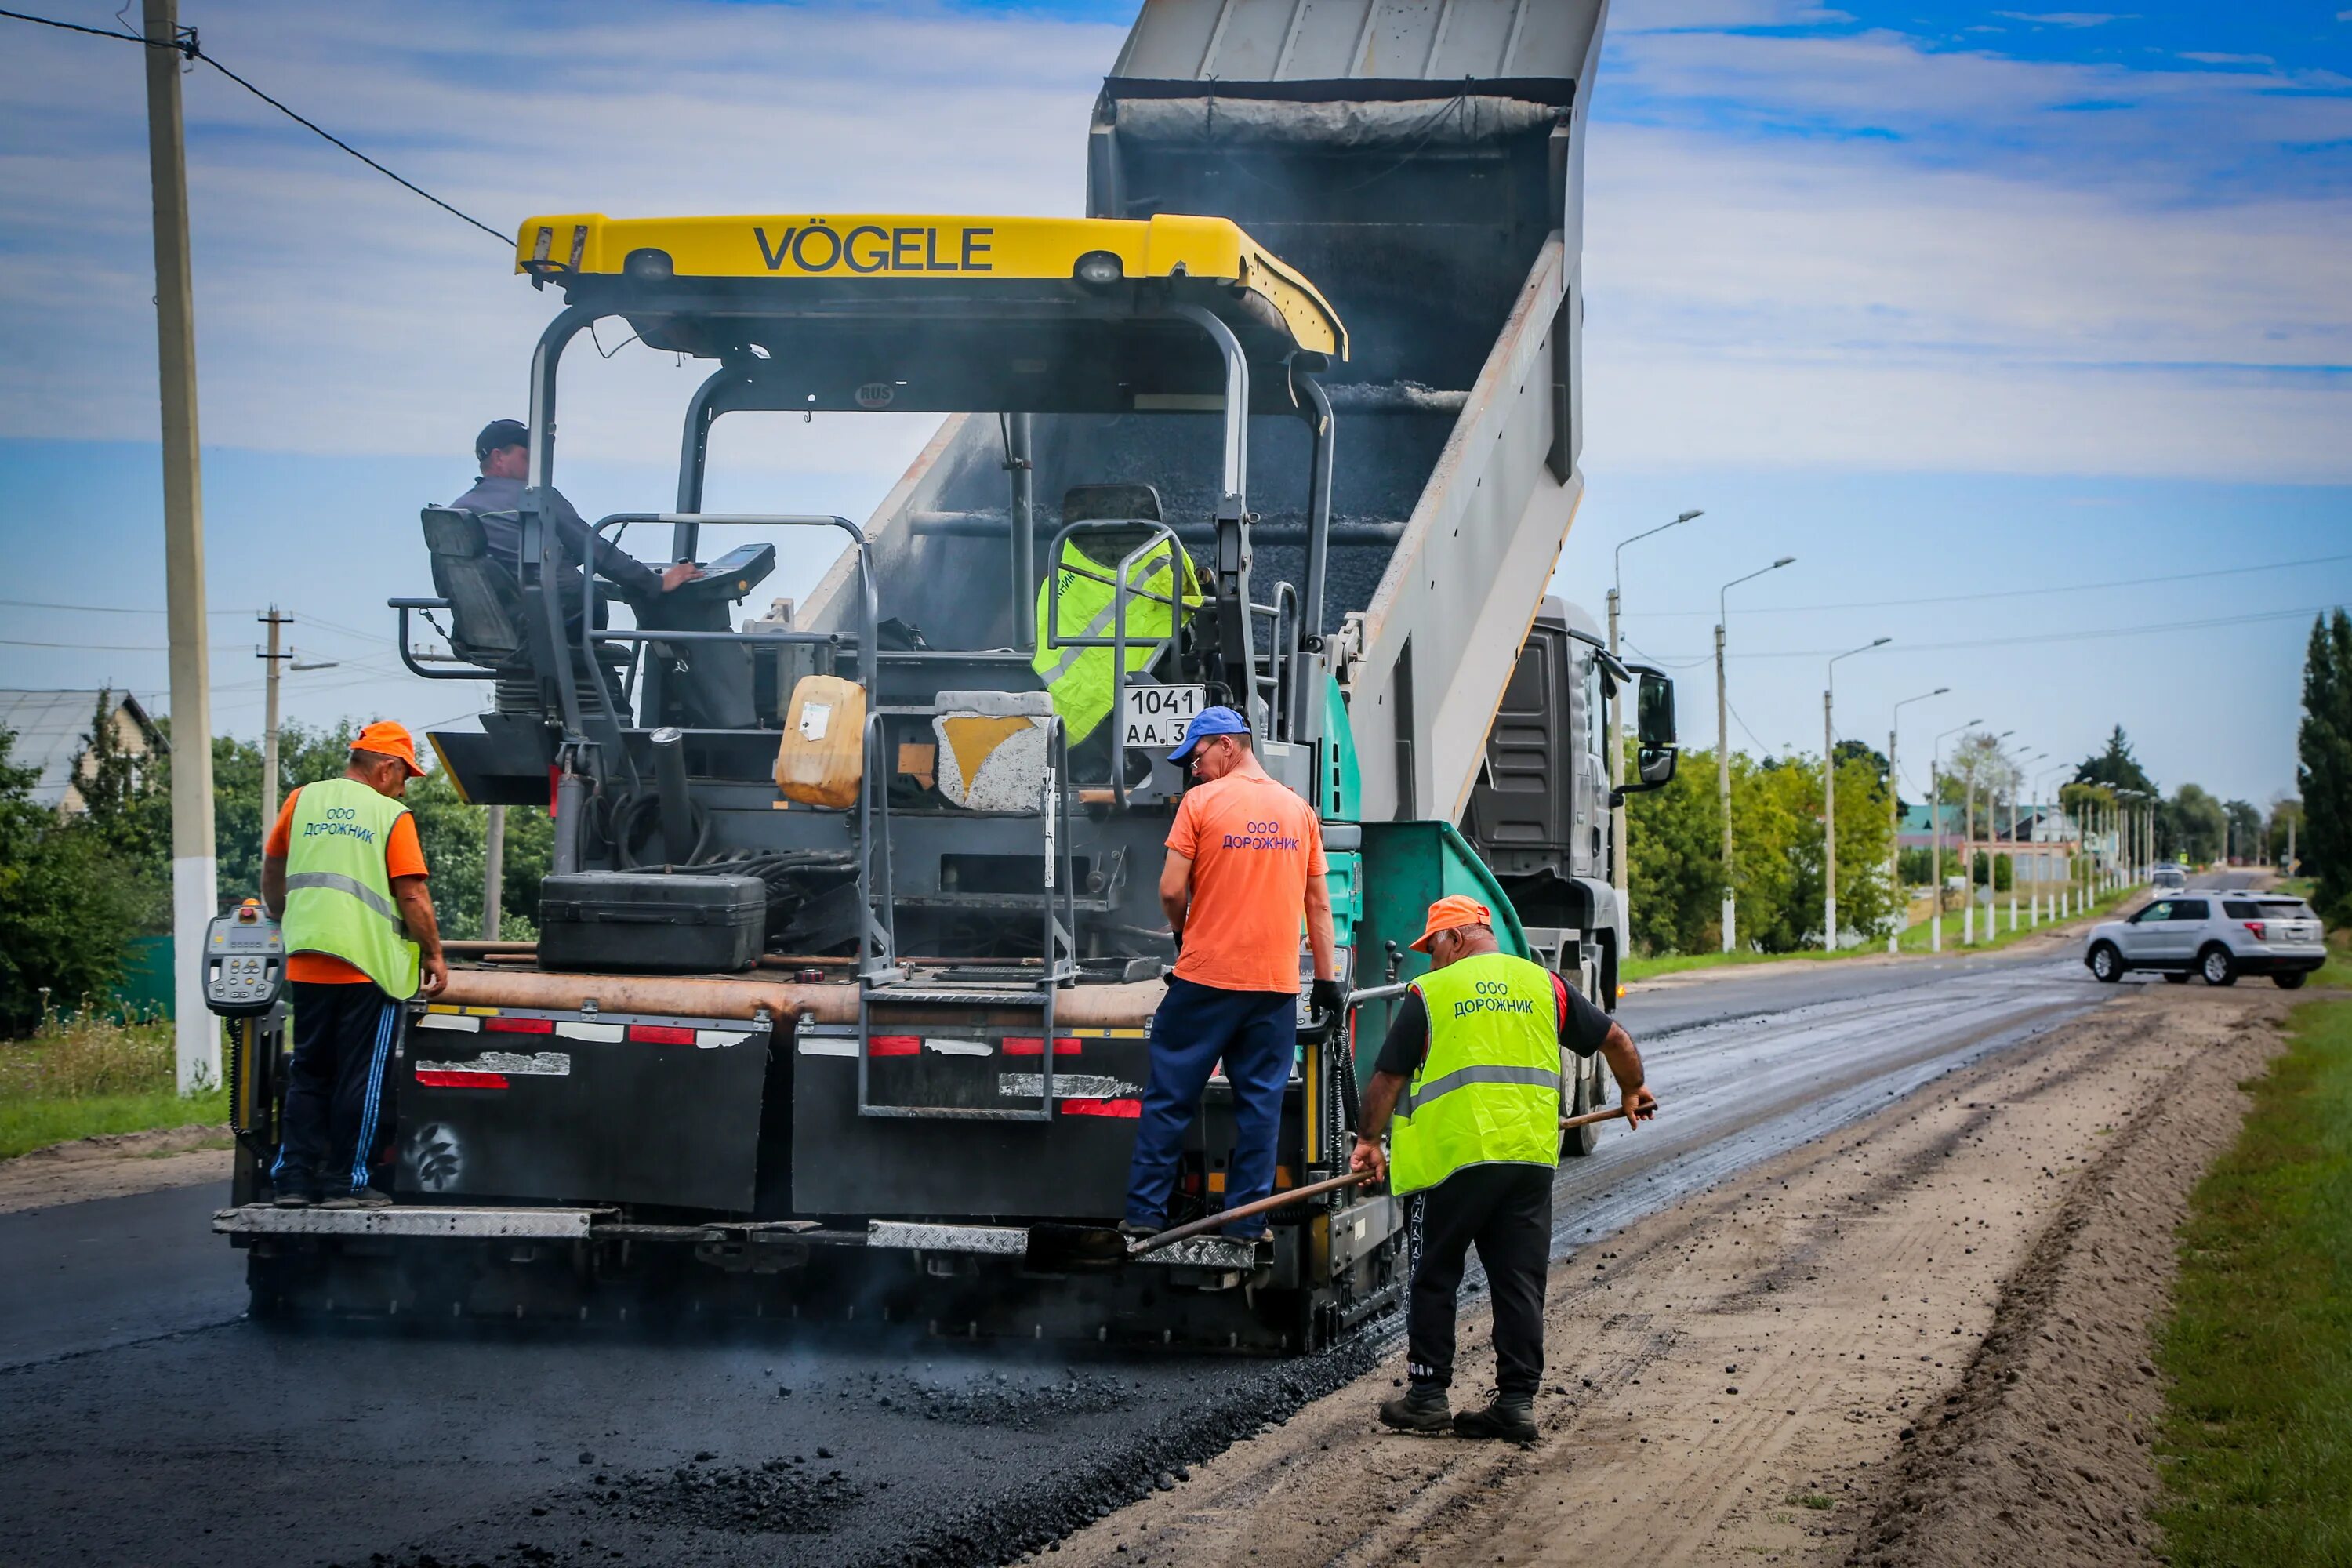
(1209, 721)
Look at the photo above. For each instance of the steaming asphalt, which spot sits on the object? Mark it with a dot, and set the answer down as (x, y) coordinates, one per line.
(142, 1420)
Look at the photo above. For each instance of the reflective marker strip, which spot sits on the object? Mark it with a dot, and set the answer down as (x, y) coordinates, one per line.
(576, 1029)
(827, 1045)
(949, 1046)
(520, 1025)
(447, 1021)
(712, 1039)
(1123, 1110)
(1033, 1046)
(660, 1034)
(445, 1079)
(890, 1046)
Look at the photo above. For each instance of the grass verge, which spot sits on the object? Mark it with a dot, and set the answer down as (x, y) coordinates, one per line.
(81, 1077)
(2256, 1447)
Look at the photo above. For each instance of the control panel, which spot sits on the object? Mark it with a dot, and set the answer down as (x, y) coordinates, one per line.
(245, 961)
(727, 579)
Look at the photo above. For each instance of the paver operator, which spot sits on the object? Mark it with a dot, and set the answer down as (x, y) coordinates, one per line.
(343, 871)
(503, 451)
(1471, 1069)
(1245, 868)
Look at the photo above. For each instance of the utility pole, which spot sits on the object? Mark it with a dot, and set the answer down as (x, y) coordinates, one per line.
(194, 885)
(1829, 797)
(1618, 848)
(1723, 747)
(271, 658)
(1895, 819)
(1936, 821)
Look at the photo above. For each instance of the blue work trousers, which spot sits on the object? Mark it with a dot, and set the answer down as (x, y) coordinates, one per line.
(1256, 1033)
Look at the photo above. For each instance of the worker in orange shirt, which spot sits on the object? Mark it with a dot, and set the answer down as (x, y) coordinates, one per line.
(1245, 870)
(345, 874)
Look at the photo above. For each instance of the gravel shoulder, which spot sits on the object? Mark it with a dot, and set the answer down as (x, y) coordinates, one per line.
(114, 1166)
(1921, 1340)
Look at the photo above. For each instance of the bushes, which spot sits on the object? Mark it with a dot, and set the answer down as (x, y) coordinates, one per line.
(69, 904)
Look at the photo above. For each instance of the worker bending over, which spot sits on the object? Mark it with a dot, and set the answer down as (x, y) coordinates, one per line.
(343, 870)
(1245, 868)
(1472, 1070)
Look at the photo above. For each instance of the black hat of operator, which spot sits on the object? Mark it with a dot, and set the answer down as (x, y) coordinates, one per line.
(498, 434)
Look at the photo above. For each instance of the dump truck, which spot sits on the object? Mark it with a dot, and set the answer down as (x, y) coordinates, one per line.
(851, 941)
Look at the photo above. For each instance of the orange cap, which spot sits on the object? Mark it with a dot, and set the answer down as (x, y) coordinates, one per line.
(1451, 913)
(389, 740)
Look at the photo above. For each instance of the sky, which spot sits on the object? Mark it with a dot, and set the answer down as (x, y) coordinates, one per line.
(2028, 333)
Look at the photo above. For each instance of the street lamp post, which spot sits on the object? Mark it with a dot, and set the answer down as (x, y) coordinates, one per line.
(1936, 822)
(2033, 915)
(1968, 907)
(1828, 794)
(1618, 846)
(1723, 746)
(1894, 813)
(2018, 777)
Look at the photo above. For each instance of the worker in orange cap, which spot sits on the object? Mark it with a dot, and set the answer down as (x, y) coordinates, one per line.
(1471, 1069)
(342, 869)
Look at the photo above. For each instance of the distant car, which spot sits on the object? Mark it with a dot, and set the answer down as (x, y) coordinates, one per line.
(2217, 933)
(2168, 880)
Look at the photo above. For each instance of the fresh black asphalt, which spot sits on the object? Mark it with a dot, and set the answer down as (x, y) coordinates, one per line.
(143, 1420)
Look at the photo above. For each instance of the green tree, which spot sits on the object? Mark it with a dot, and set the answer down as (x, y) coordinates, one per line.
(1674, 863)
(2245, 825)
(127, 808)
(2282, 828)
(2190, 826)
(68, 905)
(2114, 767)
(2323, 775)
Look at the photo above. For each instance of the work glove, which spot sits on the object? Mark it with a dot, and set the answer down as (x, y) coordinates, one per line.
(1327, 998)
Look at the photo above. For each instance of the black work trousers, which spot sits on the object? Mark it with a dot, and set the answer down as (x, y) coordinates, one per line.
(336, 1120)
(1506, 1212)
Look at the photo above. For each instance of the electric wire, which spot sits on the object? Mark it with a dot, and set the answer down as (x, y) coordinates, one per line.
(190, 49)
(2010, 592)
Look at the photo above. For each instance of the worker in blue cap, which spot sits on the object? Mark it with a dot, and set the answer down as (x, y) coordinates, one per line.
(1245, 874)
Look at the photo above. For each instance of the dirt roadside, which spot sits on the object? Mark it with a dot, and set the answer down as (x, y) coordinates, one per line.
(114, 1166)
(1920, 1341)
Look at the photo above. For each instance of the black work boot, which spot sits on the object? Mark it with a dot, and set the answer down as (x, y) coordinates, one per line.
(297, 1193)
(1422, 1409)
(1509, 1416)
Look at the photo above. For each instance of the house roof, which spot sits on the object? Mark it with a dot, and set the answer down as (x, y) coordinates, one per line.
(52, 728)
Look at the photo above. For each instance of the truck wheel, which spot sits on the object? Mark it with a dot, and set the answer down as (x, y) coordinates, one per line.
(1578, 1142)
(2175, 977)
(2217, 967)
(2107, 963)
(2291, 980)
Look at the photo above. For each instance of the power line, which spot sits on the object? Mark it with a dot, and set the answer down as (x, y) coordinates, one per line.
(2008, 593)
(188, 47)
(2156, 629)
(101, 609)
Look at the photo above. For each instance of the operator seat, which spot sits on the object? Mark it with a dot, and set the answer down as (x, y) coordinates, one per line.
(487, 617)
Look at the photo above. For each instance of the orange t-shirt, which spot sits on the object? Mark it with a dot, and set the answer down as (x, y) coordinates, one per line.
(1253, 845)
(402, 857)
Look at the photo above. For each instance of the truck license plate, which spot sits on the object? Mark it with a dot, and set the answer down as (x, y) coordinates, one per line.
(1156, 715)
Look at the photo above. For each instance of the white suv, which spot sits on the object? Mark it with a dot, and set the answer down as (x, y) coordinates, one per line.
(2217, 933)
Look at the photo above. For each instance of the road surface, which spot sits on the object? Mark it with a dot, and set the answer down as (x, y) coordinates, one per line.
(143, 1419)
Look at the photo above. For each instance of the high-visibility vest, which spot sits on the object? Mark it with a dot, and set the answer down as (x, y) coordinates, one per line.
(338, 891)
(1080, 680)
(1489, 1090)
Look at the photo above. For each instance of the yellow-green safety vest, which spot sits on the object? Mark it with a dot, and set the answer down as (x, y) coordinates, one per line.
(338, 892)
(1080, 680)
(1489, 1090)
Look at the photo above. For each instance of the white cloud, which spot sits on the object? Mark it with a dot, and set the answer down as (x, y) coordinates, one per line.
(337, 312)
(2205, 58)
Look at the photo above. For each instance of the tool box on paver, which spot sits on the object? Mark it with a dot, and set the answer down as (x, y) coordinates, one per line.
(651, 921)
